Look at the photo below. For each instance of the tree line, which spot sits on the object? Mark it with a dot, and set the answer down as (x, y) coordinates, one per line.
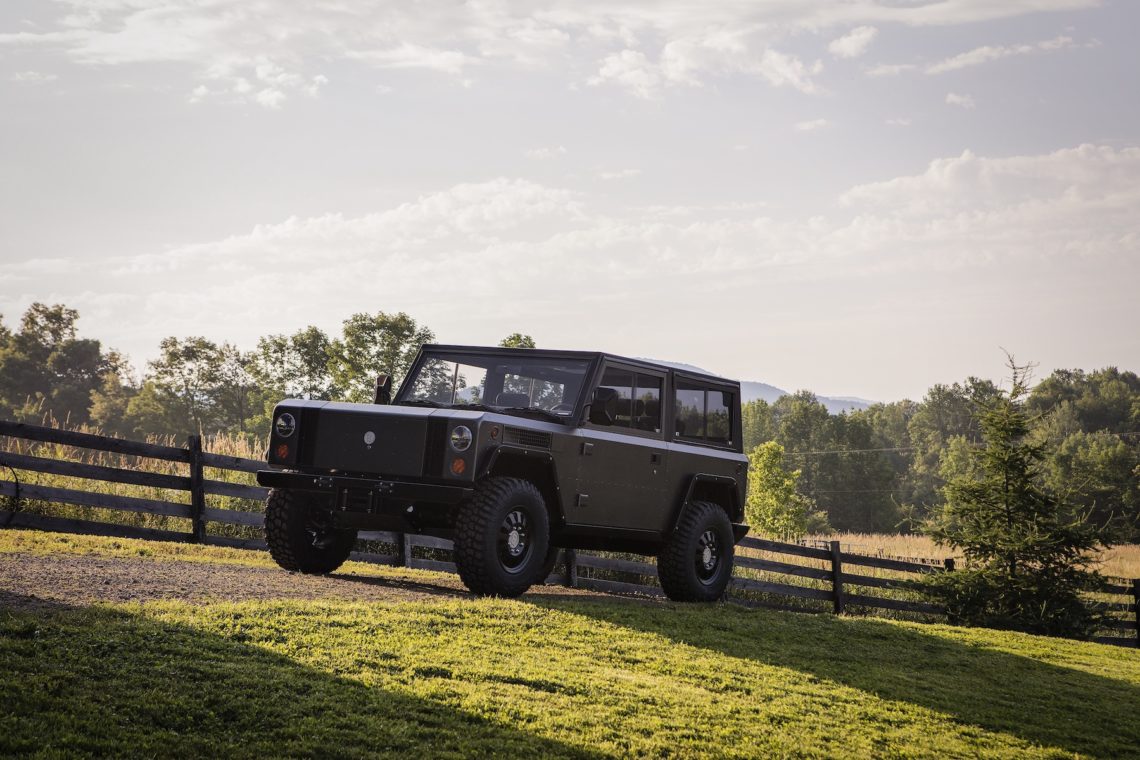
(195, 384)
(885, 468)
(881, 469)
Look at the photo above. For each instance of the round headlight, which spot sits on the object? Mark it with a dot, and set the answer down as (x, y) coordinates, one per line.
(285, 425)
(461, 438)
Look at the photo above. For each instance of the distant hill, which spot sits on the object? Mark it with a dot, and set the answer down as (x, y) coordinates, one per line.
(751, 390)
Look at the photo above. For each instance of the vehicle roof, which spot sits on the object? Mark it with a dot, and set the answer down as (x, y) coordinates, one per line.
(587, 355)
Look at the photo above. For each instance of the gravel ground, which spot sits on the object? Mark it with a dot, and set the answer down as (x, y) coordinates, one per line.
(29, 581)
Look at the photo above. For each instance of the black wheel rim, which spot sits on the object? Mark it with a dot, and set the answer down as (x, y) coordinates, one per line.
(319, 528)
(514, 543)
(708, 556)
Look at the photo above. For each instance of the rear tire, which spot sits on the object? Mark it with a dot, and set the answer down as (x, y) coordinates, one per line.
(502, 536)
(696, 563)
(300, 534)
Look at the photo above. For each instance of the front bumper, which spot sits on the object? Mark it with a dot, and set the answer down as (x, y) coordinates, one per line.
(396, 490)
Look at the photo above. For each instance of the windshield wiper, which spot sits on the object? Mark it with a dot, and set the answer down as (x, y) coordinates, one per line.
(422, 402)
(476, 407)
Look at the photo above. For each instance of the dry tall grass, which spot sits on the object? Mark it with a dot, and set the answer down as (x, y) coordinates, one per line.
(1117, 561)
(228, 445)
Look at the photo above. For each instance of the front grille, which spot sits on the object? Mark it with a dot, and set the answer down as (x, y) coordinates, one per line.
(436, 448)
(533, 438)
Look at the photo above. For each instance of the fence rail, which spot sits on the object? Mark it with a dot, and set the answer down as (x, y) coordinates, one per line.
(824, 584)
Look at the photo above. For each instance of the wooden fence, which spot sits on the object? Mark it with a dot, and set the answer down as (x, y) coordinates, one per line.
(767, 573)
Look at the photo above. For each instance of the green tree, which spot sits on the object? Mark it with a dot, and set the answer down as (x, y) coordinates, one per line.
(517, 340)
(946, 412)
(295, 366)
(758, 422)
(185, 378)
(1096, 471)
(372, 344)
(1106, 399)
(1027, 553)
(774, 507)
(45, 368)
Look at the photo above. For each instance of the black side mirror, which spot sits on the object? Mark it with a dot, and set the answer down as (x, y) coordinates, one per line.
(603, 406)
(383, 390)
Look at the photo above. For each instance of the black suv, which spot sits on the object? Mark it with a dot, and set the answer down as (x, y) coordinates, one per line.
(513, 453)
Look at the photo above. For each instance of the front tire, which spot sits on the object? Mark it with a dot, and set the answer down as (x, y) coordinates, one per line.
(502, 535)
(696, 563)
(300, 534)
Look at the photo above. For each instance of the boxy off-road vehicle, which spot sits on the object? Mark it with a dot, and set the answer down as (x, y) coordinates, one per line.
(512, 454)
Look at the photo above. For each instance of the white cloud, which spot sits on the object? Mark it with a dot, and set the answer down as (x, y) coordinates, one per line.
(962, 101)
(811, 126)
(889, 69)
(270, 97)
(222, 43)
(854, 43)
(32, 77)
(981, 55)
(899, 122)
(412, 56)
(545, 154)
(1066, 218)
(629, 69)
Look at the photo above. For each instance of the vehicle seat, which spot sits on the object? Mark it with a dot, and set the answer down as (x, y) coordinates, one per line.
(508, 398)
(650, 417)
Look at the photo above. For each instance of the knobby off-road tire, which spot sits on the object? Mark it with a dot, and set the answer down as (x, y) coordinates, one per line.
(696, 563)
(502, 534)
(300, 535)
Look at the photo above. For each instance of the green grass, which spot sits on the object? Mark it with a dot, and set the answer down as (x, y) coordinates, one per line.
(540, 676)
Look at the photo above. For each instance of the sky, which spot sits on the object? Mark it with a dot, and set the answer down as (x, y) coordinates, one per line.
(861, 198)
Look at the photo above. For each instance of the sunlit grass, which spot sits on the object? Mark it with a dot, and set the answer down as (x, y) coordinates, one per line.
(536, 677)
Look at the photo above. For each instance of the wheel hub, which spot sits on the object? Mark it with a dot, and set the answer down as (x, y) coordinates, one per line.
(708, 556)
(514, 540)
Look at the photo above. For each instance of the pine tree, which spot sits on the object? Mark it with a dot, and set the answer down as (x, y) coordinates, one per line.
(1027, 552)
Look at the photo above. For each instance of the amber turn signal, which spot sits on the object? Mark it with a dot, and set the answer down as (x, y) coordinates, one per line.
(458, 466)
(282, 451)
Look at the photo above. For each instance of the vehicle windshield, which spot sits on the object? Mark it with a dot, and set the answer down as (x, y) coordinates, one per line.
(518, 383)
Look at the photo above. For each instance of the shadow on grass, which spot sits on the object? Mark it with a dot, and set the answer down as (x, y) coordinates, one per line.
(1040, 702)
(110, 683)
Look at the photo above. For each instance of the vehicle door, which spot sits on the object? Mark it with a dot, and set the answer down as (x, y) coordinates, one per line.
(622, 453)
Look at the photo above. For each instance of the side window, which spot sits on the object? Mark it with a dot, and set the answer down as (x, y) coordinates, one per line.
(621, 383)
(690, 415)
(633, 398)
(647, 403)
(718, 422)
(704, 414)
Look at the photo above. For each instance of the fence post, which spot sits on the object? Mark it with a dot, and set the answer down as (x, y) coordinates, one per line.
(197, 492)
(406, 549)
(837, 576)
(571, 568)
(1136, 607)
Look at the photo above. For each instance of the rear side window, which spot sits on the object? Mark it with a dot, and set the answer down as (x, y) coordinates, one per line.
(638, 399)
(703, 414)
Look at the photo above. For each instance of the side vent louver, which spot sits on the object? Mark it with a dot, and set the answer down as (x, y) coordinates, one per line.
(532, 438)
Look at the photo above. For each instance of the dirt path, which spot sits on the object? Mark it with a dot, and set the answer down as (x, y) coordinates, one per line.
(32, 580)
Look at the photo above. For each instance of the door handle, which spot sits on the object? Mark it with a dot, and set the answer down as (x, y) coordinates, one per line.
(655, 458)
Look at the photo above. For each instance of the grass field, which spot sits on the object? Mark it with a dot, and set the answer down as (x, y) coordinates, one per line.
(545, 675)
